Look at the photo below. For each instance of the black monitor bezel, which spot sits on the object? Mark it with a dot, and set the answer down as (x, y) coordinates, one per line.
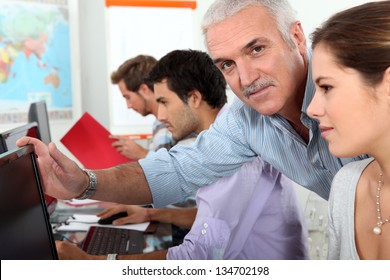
(28, 150)
(36, 111)
(5, 134)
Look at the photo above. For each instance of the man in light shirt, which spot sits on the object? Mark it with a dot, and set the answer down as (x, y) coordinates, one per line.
(138, 94)
(253, 214)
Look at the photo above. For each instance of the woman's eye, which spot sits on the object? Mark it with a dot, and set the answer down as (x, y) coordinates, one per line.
(325, 88)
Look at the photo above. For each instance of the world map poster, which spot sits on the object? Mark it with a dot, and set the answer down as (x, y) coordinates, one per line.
(34, 59)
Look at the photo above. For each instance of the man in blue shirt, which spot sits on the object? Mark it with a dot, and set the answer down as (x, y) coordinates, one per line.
(261, 49)
(253, 214)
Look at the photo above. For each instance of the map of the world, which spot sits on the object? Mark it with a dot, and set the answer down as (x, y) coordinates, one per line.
(34, 58)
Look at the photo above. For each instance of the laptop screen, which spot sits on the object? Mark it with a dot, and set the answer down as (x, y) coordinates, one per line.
(25, 230)
(8, 142)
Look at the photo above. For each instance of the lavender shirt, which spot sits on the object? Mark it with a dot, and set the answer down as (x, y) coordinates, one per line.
(259, 221)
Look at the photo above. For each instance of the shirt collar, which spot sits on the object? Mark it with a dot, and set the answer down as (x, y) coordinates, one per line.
(224, 108)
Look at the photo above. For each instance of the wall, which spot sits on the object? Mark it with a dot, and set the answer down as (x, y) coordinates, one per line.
(90, 56)
(95, 55)
(93, 59)
(60, 127)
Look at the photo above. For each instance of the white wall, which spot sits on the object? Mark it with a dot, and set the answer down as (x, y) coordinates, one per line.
(93, 59)
(313, 13)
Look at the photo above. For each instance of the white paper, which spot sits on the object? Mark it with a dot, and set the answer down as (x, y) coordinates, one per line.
(77, 202)
(80, 222)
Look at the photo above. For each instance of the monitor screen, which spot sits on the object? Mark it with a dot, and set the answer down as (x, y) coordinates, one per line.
(38, 113)
(8, 142)
(25, 230)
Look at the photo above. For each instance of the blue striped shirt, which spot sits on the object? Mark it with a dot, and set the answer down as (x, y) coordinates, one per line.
(237, 137)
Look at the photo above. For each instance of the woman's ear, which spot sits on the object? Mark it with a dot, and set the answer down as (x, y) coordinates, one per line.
(385, 85)
(386, 80)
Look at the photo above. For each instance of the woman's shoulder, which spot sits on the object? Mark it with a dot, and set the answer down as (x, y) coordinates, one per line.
(350, 173)
(354, 167)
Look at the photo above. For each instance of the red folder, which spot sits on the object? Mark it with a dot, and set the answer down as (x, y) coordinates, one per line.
(89, 142)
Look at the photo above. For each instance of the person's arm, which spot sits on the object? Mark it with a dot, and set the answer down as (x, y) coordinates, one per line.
(135, 214)
(183, 218)
(174, 175)
(162, 178)
(127, 147)
(68, 251)
(64, 179)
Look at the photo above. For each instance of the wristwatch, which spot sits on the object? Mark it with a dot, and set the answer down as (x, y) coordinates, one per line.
(91, 188)
(112, 257)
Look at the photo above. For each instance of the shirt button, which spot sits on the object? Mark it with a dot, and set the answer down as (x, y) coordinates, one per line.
(205, 225)
(203, 231)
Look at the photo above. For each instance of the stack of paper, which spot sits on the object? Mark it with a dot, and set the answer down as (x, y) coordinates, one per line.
(80, 222)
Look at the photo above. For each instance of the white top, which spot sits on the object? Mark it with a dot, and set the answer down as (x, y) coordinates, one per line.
(342, 243)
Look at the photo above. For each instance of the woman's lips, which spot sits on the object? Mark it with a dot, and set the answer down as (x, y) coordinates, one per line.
(325, 130)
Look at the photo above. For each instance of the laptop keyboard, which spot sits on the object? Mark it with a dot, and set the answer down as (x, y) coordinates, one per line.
(107, 240)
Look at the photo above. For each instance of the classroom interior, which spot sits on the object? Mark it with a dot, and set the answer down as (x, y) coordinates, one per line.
(102, 34)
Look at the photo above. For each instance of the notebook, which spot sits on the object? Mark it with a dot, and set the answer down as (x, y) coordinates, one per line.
(89, 142)
(25, 229)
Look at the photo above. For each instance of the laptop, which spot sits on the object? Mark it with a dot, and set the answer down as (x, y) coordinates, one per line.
(111, 240)
(8, 138)
(25, 229)
(8, 142)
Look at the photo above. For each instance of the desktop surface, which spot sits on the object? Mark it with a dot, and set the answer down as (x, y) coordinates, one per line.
(159, 239)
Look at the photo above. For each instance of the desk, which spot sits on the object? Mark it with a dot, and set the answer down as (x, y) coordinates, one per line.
(158, 240)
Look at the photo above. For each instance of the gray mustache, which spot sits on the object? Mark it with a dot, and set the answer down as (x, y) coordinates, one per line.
(256, 86)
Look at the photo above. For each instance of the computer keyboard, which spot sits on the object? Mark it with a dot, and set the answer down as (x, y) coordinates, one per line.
(109, 240)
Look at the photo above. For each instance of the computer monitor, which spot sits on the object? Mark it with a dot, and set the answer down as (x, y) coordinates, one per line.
(25, 229)
(38, 113)
(3, 148)
(8, 138)
(8, 142)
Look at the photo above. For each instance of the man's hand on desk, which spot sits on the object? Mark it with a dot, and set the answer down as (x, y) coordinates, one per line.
(135, 214)
(69, 251)
(127, 147)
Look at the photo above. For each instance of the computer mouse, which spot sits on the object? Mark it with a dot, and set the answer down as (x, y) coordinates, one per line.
(58, 236)
(109, 220)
